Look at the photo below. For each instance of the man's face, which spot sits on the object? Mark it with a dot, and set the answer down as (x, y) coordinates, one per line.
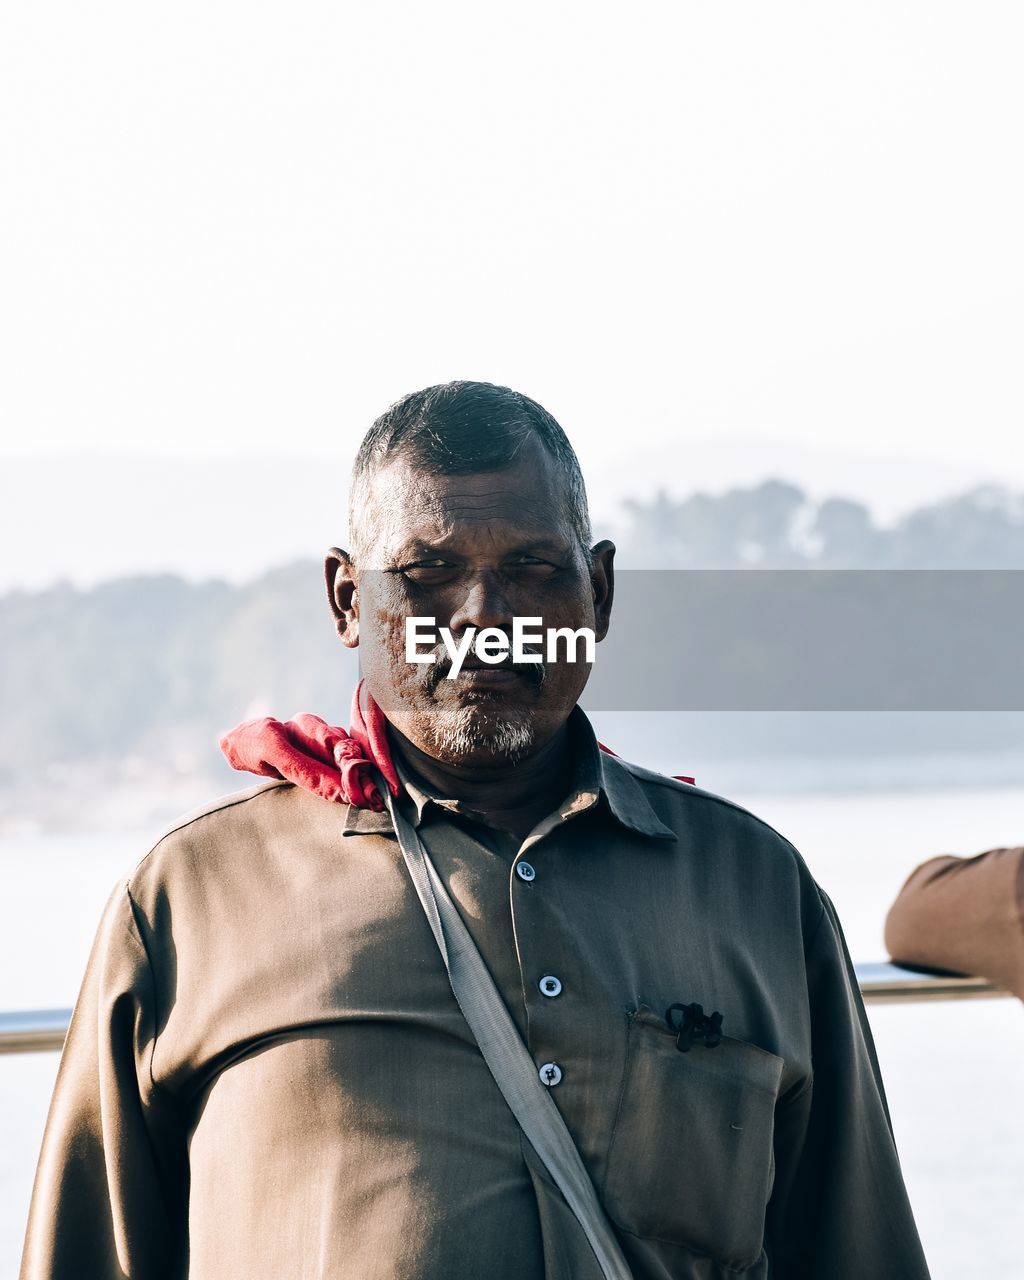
(470, 551)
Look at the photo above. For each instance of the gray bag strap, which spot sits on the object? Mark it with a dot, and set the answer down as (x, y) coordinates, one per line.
(503, 1049)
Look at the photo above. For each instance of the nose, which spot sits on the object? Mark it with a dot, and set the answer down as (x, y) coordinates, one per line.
(485, 605)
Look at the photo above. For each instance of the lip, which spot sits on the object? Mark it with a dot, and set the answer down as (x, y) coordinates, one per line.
(488, 675)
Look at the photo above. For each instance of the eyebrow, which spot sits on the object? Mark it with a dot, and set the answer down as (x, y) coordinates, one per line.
(418, 548)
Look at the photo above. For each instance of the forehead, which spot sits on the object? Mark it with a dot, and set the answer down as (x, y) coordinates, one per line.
(409, 505)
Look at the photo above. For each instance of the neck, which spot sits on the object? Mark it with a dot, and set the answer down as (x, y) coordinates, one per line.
(498, 790)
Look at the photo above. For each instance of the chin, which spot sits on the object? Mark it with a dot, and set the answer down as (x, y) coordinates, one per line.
(480, 735)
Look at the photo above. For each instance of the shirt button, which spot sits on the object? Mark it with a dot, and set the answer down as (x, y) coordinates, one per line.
(550, 986)
(525, 871)
(550, 1074)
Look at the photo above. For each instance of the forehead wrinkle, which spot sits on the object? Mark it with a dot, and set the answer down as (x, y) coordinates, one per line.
(408, 509)
(451, 504)
(431, 519)
(504, 535)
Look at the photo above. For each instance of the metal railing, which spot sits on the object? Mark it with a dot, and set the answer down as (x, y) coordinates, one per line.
(886, 983)
(42, 1030)
(33, 1030)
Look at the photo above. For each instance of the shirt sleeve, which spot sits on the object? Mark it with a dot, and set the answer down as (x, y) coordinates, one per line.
(964, 914)
(839, 1206)
(110, 1190)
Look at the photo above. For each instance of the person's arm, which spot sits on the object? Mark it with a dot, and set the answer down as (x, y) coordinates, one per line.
(964, 914)
(839, 1208)
(111, 1188)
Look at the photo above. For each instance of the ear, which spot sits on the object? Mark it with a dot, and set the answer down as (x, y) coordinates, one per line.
(602, 581)
(342, 587)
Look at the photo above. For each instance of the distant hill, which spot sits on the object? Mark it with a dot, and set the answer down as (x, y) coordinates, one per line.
(155, 668)
(774, 525)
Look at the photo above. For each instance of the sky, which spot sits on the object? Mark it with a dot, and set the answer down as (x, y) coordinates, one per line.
(717, 242)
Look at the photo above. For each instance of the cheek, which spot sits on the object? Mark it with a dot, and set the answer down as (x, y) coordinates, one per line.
(568, 679)
(382, 643)
(397, 685)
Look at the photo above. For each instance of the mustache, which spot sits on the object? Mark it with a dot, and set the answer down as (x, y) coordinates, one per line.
(436, 671)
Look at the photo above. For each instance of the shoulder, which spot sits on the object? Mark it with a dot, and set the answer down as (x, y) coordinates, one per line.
(241, 824)
(736, 846)
(224, 812)
(672, 799)
(219, 805)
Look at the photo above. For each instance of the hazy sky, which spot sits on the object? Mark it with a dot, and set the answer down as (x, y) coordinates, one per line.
(713, 240)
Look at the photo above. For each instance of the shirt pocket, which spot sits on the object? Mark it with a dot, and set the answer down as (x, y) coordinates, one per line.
(691, 1158)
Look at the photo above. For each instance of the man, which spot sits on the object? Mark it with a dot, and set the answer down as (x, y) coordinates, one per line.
(267, 1074)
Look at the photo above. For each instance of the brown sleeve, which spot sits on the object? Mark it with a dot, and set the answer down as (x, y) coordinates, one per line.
(839, 1209)
(963, 914)
(109, 1193)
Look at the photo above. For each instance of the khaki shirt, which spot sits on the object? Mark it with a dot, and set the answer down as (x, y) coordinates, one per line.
(267, 1075)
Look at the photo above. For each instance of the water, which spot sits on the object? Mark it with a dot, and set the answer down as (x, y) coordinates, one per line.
(952, 1071)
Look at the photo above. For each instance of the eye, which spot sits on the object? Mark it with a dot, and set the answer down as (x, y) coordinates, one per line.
(533, 567)
(429, 572)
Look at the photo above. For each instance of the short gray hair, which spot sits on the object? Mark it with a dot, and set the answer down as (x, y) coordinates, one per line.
(463, 428)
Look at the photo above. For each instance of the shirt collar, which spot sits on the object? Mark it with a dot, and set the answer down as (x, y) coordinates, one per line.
(595, 775)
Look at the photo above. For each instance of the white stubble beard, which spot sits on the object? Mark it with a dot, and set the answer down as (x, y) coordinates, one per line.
(462, 730)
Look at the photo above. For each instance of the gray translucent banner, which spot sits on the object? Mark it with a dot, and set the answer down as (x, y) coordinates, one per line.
(813, 640)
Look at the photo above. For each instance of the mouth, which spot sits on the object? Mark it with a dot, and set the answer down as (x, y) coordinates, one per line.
(478, 677)
(489, 675)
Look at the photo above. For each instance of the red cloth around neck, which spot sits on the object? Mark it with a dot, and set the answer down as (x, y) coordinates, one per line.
(334, 764)
(324, 758)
